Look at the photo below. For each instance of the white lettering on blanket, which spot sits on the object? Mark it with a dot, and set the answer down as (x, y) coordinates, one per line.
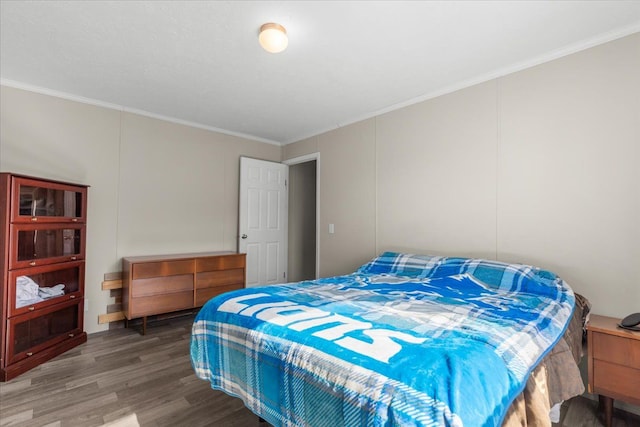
(384, 343)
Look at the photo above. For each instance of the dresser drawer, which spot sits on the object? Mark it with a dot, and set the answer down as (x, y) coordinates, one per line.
(163, 268)
(204, 295)
(211, 279)
(161, 285)
(617, 350)
(220, 262)
(158, 304)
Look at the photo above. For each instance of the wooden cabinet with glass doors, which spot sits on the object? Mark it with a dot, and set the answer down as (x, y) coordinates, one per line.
(42, 263)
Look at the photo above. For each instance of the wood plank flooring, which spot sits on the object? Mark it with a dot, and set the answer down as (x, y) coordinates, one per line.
(118, 373)
(583, 412)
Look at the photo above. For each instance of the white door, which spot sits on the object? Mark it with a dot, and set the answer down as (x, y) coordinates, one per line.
(263, 220)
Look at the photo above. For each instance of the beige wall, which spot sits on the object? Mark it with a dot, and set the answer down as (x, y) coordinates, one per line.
(179, 187)
(50, 137)
(156, 187)
(569, 172)
(347, 197)
(539, 167)
(436, 178)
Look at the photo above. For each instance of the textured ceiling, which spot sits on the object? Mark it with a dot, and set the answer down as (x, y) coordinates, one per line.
(199, 62)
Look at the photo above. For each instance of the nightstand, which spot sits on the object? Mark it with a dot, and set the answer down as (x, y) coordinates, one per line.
(614, 363)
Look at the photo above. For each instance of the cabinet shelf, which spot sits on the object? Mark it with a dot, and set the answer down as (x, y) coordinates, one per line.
(40, 244)
(36, 200)
(37, 287)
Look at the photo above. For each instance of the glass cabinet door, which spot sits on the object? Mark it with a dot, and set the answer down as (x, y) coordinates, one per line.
(37, 287)
(37, 201)
(33, 245)
(34, 332)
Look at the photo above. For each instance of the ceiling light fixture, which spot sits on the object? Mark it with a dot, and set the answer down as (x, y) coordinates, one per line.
(273, 37)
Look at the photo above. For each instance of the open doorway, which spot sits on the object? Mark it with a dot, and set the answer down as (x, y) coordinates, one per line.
(303, 260)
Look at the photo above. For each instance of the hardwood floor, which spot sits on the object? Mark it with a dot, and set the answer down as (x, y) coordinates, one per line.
(583, 412)
(117, 373)
(120, 373)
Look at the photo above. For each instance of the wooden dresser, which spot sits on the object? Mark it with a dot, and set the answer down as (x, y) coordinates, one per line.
(161, 284)
(42, 264)
(613, 363)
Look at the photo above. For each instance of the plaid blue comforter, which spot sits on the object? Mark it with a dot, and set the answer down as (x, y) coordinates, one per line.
(405, 340)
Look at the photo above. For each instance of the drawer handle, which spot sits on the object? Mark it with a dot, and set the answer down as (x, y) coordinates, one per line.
(29, 354)
(34, 218)
(72, 296)
(32, 263)
(74, 219)
(31, 308)
(73, 258)
(71, 335)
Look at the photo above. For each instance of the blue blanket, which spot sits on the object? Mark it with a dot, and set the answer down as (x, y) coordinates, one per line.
(405, 340)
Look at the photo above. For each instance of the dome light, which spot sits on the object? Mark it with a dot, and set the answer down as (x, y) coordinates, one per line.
(273, 37)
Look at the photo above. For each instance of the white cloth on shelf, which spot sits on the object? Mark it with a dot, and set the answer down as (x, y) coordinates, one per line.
(26, 288)
(54, 291)
(27, 291)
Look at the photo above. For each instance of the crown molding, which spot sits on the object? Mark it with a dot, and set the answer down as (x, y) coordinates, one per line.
(495, 74)
(98, 103)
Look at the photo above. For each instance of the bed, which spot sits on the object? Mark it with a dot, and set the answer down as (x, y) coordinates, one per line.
(404, 340)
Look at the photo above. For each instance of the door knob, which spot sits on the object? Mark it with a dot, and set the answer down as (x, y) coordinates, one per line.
(244, 236)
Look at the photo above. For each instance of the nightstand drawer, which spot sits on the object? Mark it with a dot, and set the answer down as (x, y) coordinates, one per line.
(615, 349)
(616, 380)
